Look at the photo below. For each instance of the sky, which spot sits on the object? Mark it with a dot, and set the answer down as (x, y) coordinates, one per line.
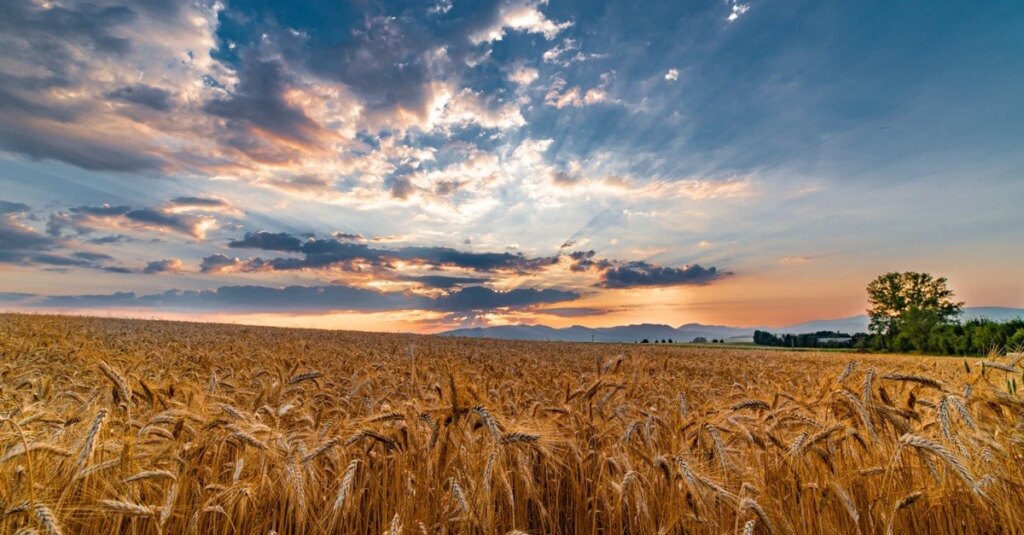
(428, 165)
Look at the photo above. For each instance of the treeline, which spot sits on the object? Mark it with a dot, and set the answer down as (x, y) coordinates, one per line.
(823, 339)
(972, 337)
(926, 335)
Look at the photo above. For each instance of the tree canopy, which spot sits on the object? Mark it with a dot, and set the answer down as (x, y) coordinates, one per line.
(910, 301)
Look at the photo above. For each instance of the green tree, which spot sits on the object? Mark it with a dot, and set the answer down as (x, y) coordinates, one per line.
(986, 336)
(894, 296)
(946, 339)
(1016, 341)
(916, 325)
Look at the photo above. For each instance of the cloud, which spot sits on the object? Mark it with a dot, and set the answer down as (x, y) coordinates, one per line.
(440, 281)
(523, 76)
(219, 263)
(737, 11)
(258, 108)
(14, 297)
(18, 241)
(446, 256)
(568, 53)
(585, 261)
(21, 244)
(440, 7)
(169, 265)
(126, 87)
(639, 273)
(574, 312)
(482, 298)
(302, 184)
(312, 299)
(106, 240)
(560, 96)
(91, 256)
(173, 217)
(144, 95)
(268, 241)
(629, 274)
(151, 219)
(92, 83)
(594, 96)
(322, 253)
(519, 15)
(90, 300)
(200, 204)
(557, 52)
(10, 208)
(246, 299)
(672, 75)
(59, 260)
(468, 107)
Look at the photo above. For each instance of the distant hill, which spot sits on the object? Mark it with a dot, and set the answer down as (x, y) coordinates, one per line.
(689, 331)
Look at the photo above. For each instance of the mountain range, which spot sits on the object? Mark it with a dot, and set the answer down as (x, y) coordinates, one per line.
(689, 331)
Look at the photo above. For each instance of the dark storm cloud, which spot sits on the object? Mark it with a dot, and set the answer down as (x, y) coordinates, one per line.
(636, 274)
(144, 95)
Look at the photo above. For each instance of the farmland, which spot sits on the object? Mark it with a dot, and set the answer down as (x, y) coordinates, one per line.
(125, 426)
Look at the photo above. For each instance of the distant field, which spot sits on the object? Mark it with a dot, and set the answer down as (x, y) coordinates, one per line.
(160, 427)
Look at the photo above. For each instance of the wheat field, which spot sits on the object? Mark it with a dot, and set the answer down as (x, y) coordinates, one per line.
(124, 426)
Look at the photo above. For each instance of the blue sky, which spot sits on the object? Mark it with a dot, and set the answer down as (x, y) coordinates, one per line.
(421, 165)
